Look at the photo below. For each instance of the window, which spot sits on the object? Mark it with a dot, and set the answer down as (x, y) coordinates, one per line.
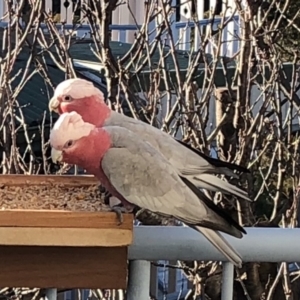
(76, 11)
(57, 5)
(206, 6)
(218, 10)
(56, 11)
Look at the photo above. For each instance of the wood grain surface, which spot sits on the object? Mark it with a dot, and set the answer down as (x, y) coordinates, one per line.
(63, 267)
(68, 180)
(62, 218)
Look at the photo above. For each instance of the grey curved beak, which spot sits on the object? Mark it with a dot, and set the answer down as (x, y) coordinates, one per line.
(56, 155)
(54, 104)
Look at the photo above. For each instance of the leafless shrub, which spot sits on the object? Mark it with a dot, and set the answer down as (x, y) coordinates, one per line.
(251, 117)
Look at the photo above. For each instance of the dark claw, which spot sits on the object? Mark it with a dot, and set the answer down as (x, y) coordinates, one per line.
(118, 210)
(105, 195)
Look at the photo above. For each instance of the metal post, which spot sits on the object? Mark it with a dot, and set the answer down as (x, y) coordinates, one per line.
(51, 294)
(139, 280)
(227, 281)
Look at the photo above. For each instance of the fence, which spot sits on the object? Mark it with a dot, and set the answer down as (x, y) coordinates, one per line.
(186, 34)
(152, 243)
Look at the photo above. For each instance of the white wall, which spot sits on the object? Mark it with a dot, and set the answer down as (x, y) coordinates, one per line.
(122, 16)
(3, 9)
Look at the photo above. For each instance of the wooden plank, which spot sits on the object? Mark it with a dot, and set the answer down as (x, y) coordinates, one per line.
(60, 218)
(63, 267)
(81, 237)
(67, 180)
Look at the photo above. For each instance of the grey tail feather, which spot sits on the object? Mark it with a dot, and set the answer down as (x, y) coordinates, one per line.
(221, 244)
(219, 164)
(213, 183)
(227, 172)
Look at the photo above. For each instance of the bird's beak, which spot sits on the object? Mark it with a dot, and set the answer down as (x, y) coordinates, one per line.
(56, 155)
(54, 104)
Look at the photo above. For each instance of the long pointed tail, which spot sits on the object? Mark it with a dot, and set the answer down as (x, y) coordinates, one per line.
(222, 245)
(213, 183)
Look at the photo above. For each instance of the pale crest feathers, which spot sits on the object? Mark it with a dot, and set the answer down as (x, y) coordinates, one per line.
(77, 88)
(69, 126)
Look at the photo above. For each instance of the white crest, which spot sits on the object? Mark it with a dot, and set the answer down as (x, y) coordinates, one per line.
(69, 126)
(77, 88)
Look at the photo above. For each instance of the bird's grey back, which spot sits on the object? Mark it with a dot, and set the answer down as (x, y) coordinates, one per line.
(178, 155)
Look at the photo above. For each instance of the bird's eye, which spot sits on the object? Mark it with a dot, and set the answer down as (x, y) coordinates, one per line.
(69, 143)
(67, 98)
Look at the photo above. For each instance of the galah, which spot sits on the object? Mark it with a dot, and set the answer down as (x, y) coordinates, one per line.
(139, 175)
(83, 97)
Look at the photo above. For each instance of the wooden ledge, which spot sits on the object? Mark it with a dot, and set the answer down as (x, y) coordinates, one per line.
(64, 249)
(64, 228)
(80, 246)
(66, 180)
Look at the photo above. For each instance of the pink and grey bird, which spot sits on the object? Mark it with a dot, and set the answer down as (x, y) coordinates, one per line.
(139, 175)
(83, 97)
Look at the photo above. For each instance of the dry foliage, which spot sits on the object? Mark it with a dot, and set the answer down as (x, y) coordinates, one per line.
(255, 115)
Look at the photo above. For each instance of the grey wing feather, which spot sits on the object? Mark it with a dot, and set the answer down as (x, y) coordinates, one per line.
(145, 178)
(186, 161)
(213, 183)
(222, 245)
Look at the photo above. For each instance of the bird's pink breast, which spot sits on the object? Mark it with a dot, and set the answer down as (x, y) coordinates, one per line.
(100, 143)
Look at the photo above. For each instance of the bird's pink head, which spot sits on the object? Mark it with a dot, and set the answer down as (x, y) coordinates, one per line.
(74, 141)
(83, 97)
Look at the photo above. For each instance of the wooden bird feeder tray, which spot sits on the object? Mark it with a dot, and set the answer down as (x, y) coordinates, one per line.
(54, 233)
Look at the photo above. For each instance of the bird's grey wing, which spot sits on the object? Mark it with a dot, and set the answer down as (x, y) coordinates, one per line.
(196, 168)
(145, 178)
(185, 160)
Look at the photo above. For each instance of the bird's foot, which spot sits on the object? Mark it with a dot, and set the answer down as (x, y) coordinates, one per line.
(119, 209)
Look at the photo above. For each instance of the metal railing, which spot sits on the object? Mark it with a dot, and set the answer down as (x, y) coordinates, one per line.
(188, 40)
(182, 34)
(152, 243)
